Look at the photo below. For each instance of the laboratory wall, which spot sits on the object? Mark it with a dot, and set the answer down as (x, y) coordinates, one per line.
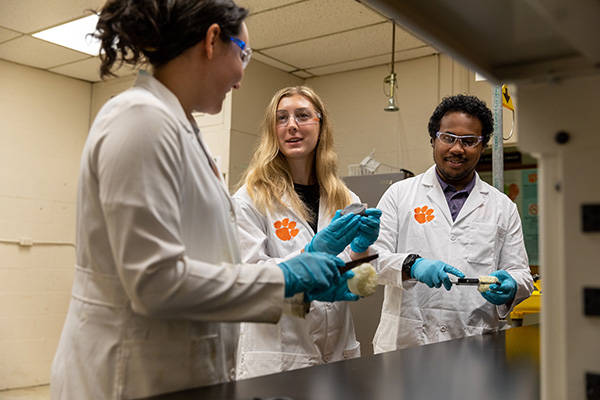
(356, 101)
(249, 103)
(44, 120)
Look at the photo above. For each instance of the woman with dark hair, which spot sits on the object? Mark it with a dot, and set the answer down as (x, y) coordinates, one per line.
(159, 282)
(289, 204)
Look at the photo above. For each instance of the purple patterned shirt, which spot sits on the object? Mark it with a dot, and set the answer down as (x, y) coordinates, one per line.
(455, 199)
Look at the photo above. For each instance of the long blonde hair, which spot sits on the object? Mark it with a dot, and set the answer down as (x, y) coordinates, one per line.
(268, 179)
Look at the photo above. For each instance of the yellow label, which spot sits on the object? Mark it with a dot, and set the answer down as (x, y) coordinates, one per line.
(506, 99)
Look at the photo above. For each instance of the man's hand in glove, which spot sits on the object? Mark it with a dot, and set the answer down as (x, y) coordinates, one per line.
(503, 291)
(434, 273)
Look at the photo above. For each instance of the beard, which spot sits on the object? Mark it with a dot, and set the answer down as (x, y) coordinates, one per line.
(450, 175)
(454, 176)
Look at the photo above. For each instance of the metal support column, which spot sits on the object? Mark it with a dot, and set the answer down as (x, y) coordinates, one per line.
(497, 145)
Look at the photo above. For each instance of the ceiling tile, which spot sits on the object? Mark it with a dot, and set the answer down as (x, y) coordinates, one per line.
(307, 20)
(30, 16)
(38, 53)
(373, 61)
(303, 74)
(272, 62)
(89, 70)
(352, 45)
(7, 34)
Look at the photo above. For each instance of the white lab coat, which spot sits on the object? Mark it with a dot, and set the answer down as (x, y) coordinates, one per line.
(158, 267)
(326, 334)
(485, 237)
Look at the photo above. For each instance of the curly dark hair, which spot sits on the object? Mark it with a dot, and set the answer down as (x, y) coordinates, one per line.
(466, 104)
(157, 31)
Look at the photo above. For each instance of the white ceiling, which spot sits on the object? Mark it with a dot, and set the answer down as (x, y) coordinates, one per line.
(306, 38)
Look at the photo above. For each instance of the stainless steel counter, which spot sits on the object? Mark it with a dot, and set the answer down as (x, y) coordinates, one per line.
(496, 366)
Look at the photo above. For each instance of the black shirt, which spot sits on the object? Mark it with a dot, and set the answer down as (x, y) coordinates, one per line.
(309, 194)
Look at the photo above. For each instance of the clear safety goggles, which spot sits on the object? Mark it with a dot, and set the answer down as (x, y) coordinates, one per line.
(302, 116)
(246, 51)
(465, 141)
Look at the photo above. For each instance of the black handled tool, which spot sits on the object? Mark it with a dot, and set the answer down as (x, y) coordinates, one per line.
(356, 263)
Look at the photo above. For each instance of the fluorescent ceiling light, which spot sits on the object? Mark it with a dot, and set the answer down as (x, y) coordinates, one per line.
(74, 35)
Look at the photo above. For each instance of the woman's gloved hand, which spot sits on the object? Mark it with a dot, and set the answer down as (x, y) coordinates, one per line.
(334, 238)
(503, 291)
(336, 292)
(310, 271)
(368, 231)
(434, 272)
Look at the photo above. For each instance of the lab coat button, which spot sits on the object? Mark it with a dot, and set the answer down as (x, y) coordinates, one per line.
(327, 358)
(328, 305)
(232, 374)
(443, 328)
(452, 237)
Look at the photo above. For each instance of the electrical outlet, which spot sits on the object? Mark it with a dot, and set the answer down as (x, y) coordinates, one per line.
(591, 302)
(590, 216)
(25, 242)
(592, 386)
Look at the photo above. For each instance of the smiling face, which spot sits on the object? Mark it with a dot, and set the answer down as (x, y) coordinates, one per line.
(297, 142)
(455, 163)
(225, 73)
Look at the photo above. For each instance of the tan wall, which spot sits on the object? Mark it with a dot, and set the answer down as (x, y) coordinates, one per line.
(260, 83)
(356, 100)
(44, 120)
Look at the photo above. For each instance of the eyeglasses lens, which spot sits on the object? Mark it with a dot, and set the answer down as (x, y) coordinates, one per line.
(246, 56)
(302, 117)
(465, 141)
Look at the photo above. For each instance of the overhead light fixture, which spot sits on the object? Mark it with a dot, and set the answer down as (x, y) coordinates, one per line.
(391, 78)
(74, 35)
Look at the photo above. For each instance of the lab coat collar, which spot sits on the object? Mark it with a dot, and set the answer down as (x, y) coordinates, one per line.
(436, 195)
(154, 86)
(476, 199)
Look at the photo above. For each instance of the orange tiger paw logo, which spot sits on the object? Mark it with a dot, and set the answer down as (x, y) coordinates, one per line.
(285, 230)
(424, 214)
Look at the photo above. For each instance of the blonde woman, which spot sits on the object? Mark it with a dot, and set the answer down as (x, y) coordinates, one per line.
(289, 203)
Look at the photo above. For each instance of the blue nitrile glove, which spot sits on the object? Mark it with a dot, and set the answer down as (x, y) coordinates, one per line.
(368, 231)
(502, 292)
(336, 292)
(434, 272)
(310, 271)
(334, 238)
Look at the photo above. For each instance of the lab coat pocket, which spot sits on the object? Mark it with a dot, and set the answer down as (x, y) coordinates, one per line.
(482, 239)
(257, 363)
(353, 352)
(292, 361)
(150, 367)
